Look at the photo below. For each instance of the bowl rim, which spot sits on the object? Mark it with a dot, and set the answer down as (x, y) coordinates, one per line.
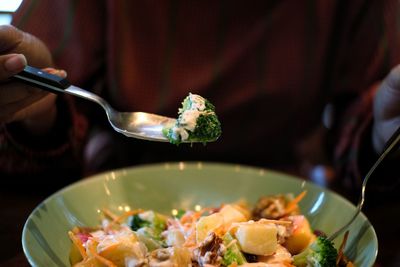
(176, 165)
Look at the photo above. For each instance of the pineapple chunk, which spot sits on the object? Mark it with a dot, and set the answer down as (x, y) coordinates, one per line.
(242, 207)
(207, 224)
(232, 213)
(257, 238)
(302, 235)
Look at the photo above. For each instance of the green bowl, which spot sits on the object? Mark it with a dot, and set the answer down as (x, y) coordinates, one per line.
(168, 186)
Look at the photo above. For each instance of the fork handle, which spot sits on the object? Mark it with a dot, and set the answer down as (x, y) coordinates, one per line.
(43, 80)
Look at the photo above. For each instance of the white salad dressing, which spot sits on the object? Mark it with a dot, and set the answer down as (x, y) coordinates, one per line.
(188, 117)
(197, 102)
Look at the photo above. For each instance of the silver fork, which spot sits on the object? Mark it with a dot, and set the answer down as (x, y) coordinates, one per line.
(391, 145)
(139, 125)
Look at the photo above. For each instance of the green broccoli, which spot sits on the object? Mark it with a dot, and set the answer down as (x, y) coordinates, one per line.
(149, 227)
(233, 253)
(180, 213)
(135, 222)
(208, 128)
(197, 122)
(321, 253)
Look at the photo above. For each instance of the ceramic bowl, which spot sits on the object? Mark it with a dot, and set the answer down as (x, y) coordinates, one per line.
(167, 186)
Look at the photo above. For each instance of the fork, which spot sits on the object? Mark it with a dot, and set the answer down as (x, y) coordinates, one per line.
(391, 145)
(139, 125)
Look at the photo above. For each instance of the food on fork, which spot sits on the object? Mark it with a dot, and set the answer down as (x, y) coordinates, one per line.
(197, 122)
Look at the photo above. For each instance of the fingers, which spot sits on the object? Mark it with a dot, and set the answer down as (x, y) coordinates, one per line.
(10, 38)
(11, 64)
(19, 101)
(13, 40)
(8, 111)
(14, 91)
(394, 76)
(387, 99)
(386, 109)
(392, 81)
(36, 110)
(11, 91)
(58, 72)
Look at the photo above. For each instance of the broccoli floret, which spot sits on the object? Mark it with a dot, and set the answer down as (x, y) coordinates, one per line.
(208, 128)
(197, 122)
(180, 213)
(321, 253)
(151, 220)
(233, 253)
(136, 222)
(149, 227)
(209, 106)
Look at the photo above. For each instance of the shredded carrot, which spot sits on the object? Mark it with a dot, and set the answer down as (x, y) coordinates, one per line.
(232, 228)
(292, 205)
(287, 264)
(186, 218)
(191, 239)
(109, 214)
(234, 241)
(220, 230)
(122, 217)
(341, 248)
(78, 243)
(119, 219)
(191, 217)
(103, 260)
(284, 222)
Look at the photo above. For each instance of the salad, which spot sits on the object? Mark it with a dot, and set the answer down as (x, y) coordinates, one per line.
(272, 233)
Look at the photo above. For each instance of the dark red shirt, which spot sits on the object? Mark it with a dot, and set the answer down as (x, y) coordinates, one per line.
(270, 68)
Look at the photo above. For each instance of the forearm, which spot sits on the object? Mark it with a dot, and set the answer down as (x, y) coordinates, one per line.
(57, 149)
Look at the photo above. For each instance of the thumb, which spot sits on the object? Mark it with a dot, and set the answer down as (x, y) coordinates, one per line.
(386, 109)
(11, 64)
(387, 99)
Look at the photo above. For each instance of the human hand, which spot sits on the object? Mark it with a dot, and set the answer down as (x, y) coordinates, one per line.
(386, 109)
(33, 107)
